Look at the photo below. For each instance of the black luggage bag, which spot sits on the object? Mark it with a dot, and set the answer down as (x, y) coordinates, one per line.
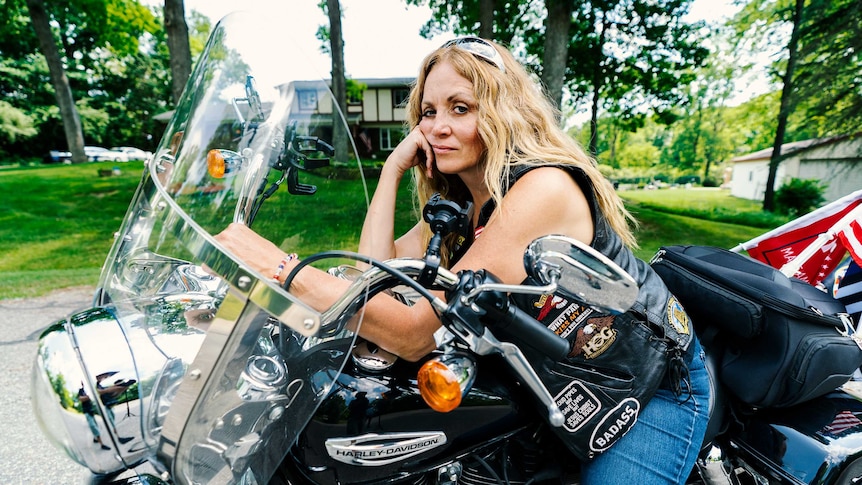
(781, 341)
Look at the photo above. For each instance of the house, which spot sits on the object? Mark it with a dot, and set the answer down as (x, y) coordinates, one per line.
(835, 161)
(376, 120)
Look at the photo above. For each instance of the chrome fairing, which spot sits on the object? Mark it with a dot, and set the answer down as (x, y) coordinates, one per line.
(203, 367)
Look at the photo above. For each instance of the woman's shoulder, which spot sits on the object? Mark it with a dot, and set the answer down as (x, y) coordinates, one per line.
(545, 169)
(551, 188)
(550, 178)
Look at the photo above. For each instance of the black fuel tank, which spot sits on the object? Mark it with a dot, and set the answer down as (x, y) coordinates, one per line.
(812, 442)
(398, 434)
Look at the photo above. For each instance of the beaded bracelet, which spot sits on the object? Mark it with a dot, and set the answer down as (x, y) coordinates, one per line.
(288, 258)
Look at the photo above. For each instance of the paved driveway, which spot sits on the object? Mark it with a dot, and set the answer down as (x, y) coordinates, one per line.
(26, 456)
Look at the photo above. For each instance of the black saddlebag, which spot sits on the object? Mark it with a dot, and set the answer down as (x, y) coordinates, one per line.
(781, 341)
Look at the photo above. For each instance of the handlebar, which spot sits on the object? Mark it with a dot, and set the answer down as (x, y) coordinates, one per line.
(477, 291)
(471, 295)
(517, 322)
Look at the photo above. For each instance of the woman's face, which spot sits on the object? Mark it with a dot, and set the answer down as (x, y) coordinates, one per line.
(450, 120)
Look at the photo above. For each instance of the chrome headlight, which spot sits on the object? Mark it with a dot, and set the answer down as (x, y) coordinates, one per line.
(101, 384)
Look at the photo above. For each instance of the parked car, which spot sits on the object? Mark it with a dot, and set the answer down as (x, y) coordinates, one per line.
(58, 156)
(101, 154)
(134, 153)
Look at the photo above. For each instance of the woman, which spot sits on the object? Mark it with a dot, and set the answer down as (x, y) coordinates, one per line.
(482, 131)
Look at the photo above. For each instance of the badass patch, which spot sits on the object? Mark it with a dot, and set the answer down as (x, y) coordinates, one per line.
(617, 422)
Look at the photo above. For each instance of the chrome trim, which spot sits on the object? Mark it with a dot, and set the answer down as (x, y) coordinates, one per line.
(257, 288)
(90, 354)
(383, 449)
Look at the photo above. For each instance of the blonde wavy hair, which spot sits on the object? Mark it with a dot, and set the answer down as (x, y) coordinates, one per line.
(517, 126)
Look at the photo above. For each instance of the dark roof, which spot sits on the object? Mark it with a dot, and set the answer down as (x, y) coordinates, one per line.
(791, 148)
(388, 82)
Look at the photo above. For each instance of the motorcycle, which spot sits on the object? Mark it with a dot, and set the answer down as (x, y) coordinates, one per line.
(199, 370)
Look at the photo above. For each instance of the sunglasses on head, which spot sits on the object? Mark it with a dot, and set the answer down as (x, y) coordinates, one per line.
(480, 48)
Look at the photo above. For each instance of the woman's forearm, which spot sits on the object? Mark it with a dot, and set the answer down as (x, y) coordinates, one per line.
(378, 231)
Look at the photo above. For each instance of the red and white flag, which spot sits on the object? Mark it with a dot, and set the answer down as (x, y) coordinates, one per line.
(842, 422)
(812, 246)
(851, 238)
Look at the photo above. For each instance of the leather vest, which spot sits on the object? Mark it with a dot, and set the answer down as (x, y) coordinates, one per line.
(654, 303)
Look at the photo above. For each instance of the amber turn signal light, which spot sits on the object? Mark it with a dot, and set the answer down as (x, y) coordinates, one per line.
(215, 164)
(221, 163)
(439, 386)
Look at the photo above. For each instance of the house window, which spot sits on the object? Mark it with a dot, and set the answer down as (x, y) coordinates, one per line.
(399, 97)
(390, 137)
(307, 99)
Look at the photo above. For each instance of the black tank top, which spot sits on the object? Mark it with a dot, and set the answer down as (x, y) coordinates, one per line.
(655, 304)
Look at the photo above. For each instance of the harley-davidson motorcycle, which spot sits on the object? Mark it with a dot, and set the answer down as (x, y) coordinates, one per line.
(190, 368)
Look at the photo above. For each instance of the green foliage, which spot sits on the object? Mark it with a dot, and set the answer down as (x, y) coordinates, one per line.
(709, 131)
(797, 196)
(831, 42)
(461, 17)
(15, 126)
(636, 56)
(355, 90)
(117, 65)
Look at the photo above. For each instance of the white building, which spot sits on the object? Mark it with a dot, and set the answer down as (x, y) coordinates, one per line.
(835, 161)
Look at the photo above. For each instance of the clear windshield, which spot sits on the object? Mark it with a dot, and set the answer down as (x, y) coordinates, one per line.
(228, 365)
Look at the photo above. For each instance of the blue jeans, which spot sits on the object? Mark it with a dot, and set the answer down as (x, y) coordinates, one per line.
(663, 446)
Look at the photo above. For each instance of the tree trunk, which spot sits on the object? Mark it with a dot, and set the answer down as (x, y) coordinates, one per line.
(62, 90)
(698, 128)
(784, 111)
(709, 148)
(339, 85)
(178, 46)
(597, 90)
(556, 48)
(486, 19)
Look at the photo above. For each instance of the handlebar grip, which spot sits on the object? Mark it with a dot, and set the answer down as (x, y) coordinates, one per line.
(530, 331)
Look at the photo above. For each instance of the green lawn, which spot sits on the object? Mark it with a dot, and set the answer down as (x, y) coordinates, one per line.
(705, 203)
(695, 216)
(58, 222)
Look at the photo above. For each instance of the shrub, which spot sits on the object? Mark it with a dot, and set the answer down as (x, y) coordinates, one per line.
(687, 179)
(798, 196)
(710, 182)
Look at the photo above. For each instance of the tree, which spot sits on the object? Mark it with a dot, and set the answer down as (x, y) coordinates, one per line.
(627, 57)
(504, 22)
(511, 23)
(831, 42)
(757, 23)
(63, 91)
(698, 136)
(784, 109)
(335, 47)
(97, 45)
(556, 48)
(632, 57)
(14, 125)
(178, 45)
